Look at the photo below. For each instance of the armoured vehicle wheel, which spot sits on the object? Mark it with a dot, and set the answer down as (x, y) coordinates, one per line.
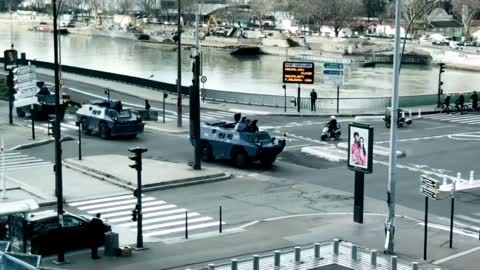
(323, 137)
(240, 159)
(85, 129)
(207, 154)
(20, 113)
(104, 130)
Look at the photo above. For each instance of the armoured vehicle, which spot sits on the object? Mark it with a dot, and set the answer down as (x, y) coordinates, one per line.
(108, 118)
(240, 142)
(43, 102)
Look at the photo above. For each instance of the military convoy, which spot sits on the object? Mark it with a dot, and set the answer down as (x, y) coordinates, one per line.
(240, 142)
(109, 119)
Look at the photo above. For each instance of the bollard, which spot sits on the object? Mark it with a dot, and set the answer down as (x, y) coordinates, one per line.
(444, 179)
(297, 254)
(256, 262)
(186, 224)
(354, 252)
(471, 177)
(373, 258)
(316, 248)
(211, 266)
(276, 261)
(234, 264)
(415, 266)
(393, 263)
(459, 177)
(220, 219)
(336, 243)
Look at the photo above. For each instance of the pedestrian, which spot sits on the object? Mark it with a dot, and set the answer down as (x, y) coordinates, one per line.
(97, 233)
(474, 99)
(313, 100)
(147, 105)
(460, 102)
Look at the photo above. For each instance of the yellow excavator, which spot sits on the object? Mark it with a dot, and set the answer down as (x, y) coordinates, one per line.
(209, 23)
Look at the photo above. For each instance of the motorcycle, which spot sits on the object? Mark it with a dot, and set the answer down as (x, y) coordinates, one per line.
(326, 134)
(402, 120)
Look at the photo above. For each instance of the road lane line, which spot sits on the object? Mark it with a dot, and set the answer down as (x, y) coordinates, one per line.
(458, 255)
(174, 223)
(181, 229)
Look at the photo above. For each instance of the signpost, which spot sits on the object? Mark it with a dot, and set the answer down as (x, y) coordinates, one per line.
(25, 81)
(334, 73)
(430, 188)
(298, 72)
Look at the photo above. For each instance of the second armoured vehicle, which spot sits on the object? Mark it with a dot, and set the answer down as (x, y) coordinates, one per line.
(109, 118)
(240, 142)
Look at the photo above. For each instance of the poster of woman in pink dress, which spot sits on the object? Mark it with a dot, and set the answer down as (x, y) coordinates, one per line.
(358, 140)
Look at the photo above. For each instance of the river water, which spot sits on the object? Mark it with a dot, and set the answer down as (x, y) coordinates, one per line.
(262, 74)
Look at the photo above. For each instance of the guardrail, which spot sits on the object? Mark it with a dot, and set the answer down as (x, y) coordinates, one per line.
(352, 104)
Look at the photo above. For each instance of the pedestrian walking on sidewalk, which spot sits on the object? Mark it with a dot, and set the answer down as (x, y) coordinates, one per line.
(313, 100)
(97, 234)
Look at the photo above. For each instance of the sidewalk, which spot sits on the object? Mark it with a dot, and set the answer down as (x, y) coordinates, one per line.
(155, 95)
(155, 174)
(283, 234)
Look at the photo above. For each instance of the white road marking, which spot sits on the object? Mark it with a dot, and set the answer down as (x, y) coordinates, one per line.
(96, 206)
(154, 214)
(101, 200)
(448, 126)
(296, 146)
(190, 227)
(458, 255)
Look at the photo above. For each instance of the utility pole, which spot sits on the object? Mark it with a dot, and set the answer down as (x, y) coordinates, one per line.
(179, 65)
(390, 221)
(195, 112)
(137, 212)
(58, 145)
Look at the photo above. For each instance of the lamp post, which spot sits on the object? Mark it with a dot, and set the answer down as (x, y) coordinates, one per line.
(390, 221)
(58, 146)
(179, 65)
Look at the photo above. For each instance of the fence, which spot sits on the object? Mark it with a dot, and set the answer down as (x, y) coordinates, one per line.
(351, 104)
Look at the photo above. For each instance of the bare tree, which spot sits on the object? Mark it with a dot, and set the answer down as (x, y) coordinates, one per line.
(417, 10)
(96, 6)
(340, 13)
(147, 6)
(260, 9)
(124, 6)
(467, 9)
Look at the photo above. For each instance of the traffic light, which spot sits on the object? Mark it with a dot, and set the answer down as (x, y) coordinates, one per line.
(284, 87)
(440, 89)
(135, 193)
(134, 214)
(165, 95)
(138, 162)
(442, 68)
(51, 128)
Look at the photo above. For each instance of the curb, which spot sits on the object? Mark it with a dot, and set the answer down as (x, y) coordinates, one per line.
(169, 131)
(31, 145)
(148, 187)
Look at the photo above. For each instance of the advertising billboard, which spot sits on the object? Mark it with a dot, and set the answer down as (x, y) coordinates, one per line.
(360, 147)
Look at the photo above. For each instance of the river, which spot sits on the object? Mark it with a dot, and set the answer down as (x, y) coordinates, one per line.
(261, 74)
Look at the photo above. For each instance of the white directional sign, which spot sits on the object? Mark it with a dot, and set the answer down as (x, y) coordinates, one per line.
(28, 77)
(25, 82)
(430, 188)
(334, 73)
(24, 70)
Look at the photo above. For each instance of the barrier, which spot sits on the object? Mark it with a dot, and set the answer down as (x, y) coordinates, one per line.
(361, 104)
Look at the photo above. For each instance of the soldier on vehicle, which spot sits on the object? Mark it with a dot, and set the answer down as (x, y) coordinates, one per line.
(474, 99)
(460, 102)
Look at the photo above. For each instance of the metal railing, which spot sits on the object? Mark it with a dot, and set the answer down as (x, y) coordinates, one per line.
(362, 104)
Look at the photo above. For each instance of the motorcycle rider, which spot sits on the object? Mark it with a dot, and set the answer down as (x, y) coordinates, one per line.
(446, 101)
(332, 125)
(474, 98)
(460, 102)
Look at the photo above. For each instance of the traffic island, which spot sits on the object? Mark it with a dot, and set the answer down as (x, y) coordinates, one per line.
(156, 174)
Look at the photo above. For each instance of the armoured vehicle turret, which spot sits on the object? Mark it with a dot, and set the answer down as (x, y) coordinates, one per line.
(240, 142)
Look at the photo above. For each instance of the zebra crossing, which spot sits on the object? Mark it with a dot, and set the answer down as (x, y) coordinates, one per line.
(18, 161)
(160, 218)
(470, 119)
(469, 222)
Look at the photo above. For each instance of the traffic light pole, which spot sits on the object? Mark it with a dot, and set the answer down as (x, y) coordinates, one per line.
(195, 112)
(138, 166)
(440, 83)
(179, 65)
(139, 203)
(58, 146)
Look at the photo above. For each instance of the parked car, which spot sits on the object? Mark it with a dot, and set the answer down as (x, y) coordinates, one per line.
(42, 231)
